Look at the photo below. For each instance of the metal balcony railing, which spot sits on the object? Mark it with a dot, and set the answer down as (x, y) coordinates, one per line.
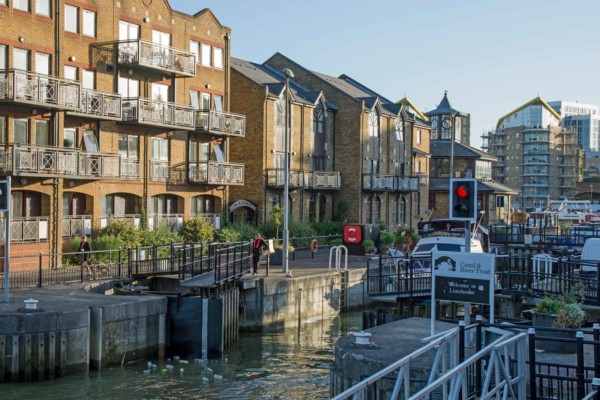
(130, 169)
(134, 219)
(76, 225)
(158, 113)
(158, 57)
(297, 179)
(39, 90)
(159, 171)
(322, 180)
(379, 182)
(101, 105)
(172, 221)
(207, 172)
(32, 160)
(221, 123)
(26, 229)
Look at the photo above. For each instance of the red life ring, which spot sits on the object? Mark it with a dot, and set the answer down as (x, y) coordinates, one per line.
(314, 246)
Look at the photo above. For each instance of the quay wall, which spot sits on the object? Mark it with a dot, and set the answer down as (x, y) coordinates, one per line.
(289, 302)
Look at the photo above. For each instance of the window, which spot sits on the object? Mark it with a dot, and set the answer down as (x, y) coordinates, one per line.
(89, 23)
(195, 49)
(161, 38)
(26, 204)
(195, 99)
(90, 142)
(42, 63)
(21, 131)
(70, 72)
(71, 19)
(218, 57)
(89, 79)
(128, 31)
(20, 59)
(199, 151)
(160, 149)
(2, 129)
(22, 5)
(41, 133)
(42, 7)
(206, 55)
(203, 205)
(3, 2)
(419, 136)
(399, 130)
(128, 146)
(160, 92)
(205, 101)
(318, 151)
(2, 57)
(218, 103)
(70, 138)
(128, 88)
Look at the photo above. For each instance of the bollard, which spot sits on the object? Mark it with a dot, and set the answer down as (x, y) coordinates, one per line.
(40, 270)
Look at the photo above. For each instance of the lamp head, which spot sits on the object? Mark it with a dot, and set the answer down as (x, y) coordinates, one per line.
(288, 72)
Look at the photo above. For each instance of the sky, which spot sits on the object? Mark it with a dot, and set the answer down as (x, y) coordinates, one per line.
(490, 55)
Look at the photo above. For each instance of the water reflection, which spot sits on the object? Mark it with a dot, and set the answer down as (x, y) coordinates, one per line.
(284, 364)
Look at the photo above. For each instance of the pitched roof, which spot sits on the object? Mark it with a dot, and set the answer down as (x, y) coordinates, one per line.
(405, 101)
(420, 153)
(274, 81)
(535, 101)
(443, 108)
(362, 87)
(392, 108)
(442, 148)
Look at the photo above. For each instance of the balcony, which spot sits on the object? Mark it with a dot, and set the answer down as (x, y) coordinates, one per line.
(159, 171)
(388, 183)
(100, 105)
(171, 221)
(26, 229)
(304, 179)
(407, 184)
(325, 180)
(60, 162)
(76, 225)
(39, 90)
(134, 219)
(158, 113)
(221, 123)
(207, 173)
(156, 57)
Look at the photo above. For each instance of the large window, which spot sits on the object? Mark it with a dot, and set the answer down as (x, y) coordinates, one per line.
(160, 92)
(26, 204)
(42, 7)
(203, 205)
(161, 38)
(22, 5)
(128, 146)
(2, 57)
(21, 131)
(318, 152)
(70, 72)
(160, 149)
(71, 19)
(195, 99)
(70, 137)
(20, 59)
(218, 100)
(206, 55)
(195, 49)
(128, 31)
(399, 130)
(374, 135)
(372, 209)
(2, 129)
(218, 57)
(128, 88)
(41, 133)
(42, 63)
(90, 141)
(89, 23)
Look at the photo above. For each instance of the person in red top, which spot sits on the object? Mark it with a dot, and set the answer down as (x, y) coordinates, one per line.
(258, 244)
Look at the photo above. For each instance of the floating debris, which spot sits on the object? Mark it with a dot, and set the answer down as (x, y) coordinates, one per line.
(184, 362)
(146, 372)
(198, 361)
(169, 368)
(176, 358)
(180, 371)
(204, 379)
(218, 377)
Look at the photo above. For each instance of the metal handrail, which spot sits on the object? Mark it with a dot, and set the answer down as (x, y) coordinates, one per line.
(221, 122)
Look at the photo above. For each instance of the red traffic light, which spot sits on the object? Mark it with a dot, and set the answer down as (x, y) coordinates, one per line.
(461, 192)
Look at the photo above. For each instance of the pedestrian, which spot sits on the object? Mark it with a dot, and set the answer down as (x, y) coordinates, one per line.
(420, 225)
(85, 248)
(258, 245)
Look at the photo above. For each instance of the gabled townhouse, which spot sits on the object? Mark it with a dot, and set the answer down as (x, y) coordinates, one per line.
(260, 91)
(373, 148)
(112, 110)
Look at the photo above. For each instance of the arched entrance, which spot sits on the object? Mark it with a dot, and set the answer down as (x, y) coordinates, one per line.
(242, 211)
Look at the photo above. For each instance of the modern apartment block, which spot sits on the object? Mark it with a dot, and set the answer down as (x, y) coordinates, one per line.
(585, 120)
(259, 90)
(113, 110)
(450, 151)
(535, 154)
(372, 148)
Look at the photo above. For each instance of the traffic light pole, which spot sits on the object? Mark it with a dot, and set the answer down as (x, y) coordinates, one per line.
(467, 306)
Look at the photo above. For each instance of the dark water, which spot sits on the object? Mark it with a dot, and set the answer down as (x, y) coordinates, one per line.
(283, 364)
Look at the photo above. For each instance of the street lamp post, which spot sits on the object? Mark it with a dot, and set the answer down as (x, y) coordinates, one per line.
(286, 172)
(591, 186)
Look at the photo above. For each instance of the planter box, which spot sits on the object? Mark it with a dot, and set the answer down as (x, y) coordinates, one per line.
(546, 320)
(276, 258)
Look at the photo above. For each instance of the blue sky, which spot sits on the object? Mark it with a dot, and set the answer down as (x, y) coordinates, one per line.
(491, 56)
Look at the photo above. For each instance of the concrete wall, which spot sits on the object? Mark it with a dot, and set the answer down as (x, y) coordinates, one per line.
(289, 302)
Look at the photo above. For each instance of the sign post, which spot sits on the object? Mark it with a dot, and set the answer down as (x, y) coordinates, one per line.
(462, 278)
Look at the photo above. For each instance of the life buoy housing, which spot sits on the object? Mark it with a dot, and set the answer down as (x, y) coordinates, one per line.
(314, 246)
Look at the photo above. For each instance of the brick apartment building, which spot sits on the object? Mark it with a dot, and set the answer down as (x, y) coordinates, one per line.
(112, 110)
(372, 148)
(259, 90)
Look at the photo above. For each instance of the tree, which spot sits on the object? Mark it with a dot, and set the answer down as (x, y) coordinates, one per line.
(277, 217)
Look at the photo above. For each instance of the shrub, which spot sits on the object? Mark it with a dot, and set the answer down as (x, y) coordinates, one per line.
(382, 224)
(125, 231)
(268, 230)
(328, 228)
(245, 230)
(198, 230)
(160, 237)
(227, 235)
(566, 308)
(341, 211)
(335, 242)
(388, 238)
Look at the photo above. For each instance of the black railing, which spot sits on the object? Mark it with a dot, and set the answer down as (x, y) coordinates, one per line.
(570, 237)
(226, 260)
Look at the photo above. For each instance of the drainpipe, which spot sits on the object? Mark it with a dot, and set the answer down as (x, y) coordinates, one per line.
(265, 155)
(302, 108)
(55, 135)
(226, 101)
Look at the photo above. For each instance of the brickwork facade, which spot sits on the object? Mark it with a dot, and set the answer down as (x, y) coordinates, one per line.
(159, 157)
